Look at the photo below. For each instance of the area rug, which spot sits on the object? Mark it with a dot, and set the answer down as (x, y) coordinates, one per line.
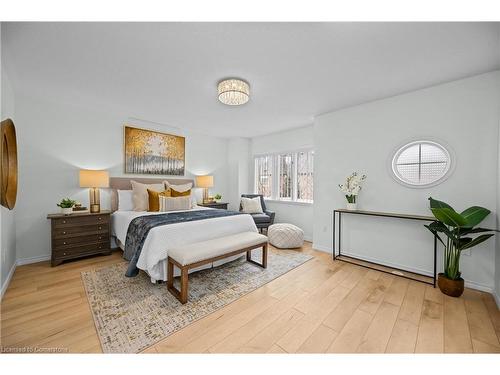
(131, 314)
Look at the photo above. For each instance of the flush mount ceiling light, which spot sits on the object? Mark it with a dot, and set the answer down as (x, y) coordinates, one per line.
(233, 91)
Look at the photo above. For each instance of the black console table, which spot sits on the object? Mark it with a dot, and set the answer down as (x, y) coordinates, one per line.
(377, 266)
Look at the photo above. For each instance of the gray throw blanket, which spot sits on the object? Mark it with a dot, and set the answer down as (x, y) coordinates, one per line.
(139, 228)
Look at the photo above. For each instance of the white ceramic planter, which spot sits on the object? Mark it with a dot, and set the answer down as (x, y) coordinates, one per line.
(352, 206)
(67, 211)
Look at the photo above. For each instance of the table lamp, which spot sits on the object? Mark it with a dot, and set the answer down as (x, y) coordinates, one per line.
(94, 180)
(205, 182)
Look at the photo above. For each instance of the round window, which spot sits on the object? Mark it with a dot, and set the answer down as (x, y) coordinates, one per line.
(421, 164)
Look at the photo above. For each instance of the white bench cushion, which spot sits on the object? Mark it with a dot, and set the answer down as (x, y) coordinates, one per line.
(198, 251)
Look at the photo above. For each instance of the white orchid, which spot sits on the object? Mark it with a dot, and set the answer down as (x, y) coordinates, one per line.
(352, 186)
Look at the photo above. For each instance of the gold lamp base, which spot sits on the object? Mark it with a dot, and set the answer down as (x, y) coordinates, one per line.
(205, 196)
(95, 208)
(95, 200)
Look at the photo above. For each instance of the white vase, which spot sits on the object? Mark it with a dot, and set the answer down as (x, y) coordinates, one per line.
(352, 206)
(67, 211)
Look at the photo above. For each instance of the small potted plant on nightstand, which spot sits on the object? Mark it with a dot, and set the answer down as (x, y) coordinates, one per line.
(460, 230)
(66, 206)
(218, 198)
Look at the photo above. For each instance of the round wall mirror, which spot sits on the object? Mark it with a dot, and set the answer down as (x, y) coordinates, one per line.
(8, 164)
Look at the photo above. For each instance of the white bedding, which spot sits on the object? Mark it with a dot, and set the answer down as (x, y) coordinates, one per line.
(160, 239)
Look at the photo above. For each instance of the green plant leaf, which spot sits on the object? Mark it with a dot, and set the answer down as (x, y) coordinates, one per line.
(464, 241)
(464, 231)
(449, 217)
(440, 227)
(434, 232)
(476, 241)
(439, 204)
(474, 215)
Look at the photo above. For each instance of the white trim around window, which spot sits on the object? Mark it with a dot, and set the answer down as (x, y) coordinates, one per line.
(276, 176)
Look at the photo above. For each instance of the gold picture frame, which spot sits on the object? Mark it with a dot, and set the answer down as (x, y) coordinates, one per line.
(152, 152)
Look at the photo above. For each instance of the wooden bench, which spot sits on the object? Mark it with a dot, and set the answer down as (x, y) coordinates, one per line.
(200, 253)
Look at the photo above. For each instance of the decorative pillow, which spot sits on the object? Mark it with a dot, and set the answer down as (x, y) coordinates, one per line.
(180, 188)
(154, 199)
(176, 193)
(251, 205)
(125, 200)
(175, 203)
(140, 195)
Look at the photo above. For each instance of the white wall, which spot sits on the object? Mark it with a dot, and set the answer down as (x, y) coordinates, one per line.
(56, 138)
(299, 214)
(464, 115)
(238, 159)
(7, 224)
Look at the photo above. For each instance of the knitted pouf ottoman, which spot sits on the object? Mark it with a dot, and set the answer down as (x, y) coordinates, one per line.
(285, 236)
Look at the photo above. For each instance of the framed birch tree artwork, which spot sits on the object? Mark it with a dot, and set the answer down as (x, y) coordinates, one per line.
(152, 152)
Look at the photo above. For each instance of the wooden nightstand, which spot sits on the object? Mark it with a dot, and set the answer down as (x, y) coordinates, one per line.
(220, 205)
(78, 235)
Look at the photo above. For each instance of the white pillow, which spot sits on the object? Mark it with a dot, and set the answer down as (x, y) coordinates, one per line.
(175, 203)
(125, 200)
(140, 194)
(179, 188)
(251, 205)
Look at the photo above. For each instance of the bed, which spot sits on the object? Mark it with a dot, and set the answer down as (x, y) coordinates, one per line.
(153, 257)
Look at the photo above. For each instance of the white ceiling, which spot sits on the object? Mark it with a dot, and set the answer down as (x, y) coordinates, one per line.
(167, 72)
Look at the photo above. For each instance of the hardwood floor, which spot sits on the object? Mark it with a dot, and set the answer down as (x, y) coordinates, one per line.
(319, 307)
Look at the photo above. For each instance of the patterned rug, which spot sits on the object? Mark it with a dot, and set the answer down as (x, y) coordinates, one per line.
(131, 314)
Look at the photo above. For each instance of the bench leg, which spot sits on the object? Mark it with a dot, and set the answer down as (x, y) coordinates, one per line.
(170, 274)
(181, 295)
(184, 285)
(264, 257)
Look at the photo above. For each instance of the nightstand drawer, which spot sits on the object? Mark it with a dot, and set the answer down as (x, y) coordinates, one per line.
(80, 240)
(78, 221)
(83, 230)
(79, 235)
(81, 250)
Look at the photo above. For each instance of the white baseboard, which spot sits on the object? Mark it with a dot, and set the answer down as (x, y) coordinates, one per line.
(477, 286)
(322, 248)
(497, 298)
(40, 258)
(7, 280)
(468, 283)
(308, 239)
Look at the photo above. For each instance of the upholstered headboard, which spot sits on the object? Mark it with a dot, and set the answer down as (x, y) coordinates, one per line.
(123, 183)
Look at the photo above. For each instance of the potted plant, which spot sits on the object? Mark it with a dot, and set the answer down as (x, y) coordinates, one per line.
(218, 198)
(66, 206)
(351, 189)
(458, 228)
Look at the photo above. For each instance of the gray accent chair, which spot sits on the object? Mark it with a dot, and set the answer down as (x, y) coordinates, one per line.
(264, 220)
